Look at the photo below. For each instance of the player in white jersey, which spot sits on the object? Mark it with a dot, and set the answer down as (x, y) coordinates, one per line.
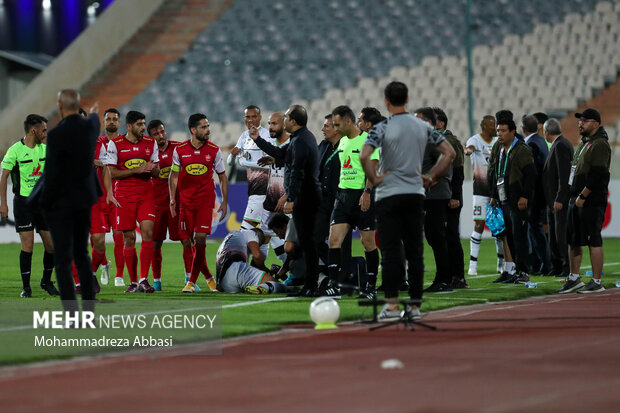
(247, 155)
(234, 274)
(478, 148)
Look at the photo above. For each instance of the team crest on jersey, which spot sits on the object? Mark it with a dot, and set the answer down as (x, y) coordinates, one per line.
(148, 152)
(196, 169)
(208, 158)
(164, 172)
(134, 163)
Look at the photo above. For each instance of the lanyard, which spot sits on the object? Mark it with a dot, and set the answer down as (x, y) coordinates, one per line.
(506, 161)
(586, 146)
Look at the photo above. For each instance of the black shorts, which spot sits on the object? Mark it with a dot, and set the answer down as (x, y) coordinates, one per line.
(27, 216)
(347, 210)
(585, 225)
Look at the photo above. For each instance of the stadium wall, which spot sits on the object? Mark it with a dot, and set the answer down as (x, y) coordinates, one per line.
(238, 196)
(77, 63)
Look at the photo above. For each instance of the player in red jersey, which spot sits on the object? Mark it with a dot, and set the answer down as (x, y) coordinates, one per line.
(131, 160)
(112, 121)
(193, 164)
(164, 222)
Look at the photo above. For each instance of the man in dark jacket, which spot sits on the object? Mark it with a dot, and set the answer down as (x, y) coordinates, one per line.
(516, 177)
(301, 158)
(537, 239)
(589, 181)
(69, 191)
(555, 184)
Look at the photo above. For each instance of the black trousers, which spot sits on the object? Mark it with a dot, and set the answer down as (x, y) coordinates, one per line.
(539, 250)
(435, 222)
(321, 234)
(455, 248)
(70, 229)
(516, 232)
(304, 217)
(558, 243)
(400, 223)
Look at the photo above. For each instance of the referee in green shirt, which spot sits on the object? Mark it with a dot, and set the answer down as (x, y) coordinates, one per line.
(25, 161)
(354, 206)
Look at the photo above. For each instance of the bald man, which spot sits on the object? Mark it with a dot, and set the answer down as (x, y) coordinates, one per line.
(69, 191)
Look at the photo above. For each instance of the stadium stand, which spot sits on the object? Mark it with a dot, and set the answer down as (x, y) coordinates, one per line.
(260, 52)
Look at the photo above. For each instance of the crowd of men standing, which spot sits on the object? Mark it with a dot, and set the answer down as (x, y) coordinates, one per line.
(401, 176)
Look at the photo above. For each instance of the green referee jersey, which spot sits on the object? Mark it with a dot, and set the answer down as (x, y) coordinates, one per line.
(26, 166)
(351, 172)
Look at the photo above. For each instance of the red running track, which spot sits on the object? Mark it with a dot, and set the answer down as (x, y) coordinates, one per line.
(549, 354)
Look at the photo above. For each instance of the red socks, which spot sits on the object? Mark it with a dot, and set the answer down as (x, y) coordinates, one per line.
(131, 259)
(146, 258)
(188, 257)
(119, 255)
(198, 262)
(156, 263)
(74, 272)
(98, 259)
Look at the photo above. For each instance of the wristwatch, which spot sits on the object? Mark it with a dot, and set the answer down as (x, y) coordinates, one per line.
(581, 196)
(368, 190)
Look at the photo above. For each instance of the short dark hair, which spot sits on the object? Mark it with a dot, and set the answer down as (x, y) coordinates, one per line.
(428, 114)
(261, 235)
(344, 112)
(133, 116)
(111, 110)
(33, 120)
(372, 115)
(503, 114)
(252, 107)
(195, 119)
(541, 117)
(279, 220)
(530, 124)
(441, 115)
(509, 122)
(299, 115)
(396, 93)
(154, 124)
(329, 116)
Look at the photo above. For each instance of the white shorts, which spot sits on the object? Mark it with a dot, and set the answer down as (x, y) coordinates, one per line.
(264, 223)
(240, 275)
(254, 210)
(480, 207)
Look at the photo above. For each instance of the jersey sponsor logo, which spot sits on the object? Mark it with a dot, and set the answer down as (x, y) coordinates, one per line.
(196, 169)
(164, 172)
(37, 171)
(134, 163)
(347, 164)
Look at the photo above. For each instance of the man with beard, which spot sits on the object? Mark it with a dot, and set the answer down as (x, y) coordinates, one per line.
(588, 180)
(193, 163)
(25, 162)
(275, 196)
(132, 159)
(248, 154)
(164, 222)
(111, 122)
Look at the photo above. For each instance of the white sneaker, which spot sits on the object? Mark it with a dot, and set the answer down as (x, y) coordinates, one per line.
(413, 313)
(119, 282)
(472, 270)
(388, 315)
(105, 273)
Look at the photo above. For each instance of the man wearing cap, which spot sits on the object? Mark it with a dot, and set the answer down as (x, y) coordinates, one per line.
(588, 180)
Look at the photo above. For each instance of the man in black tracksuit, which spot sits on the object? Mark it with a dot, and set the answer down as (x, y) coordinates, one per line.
(515, 180)
(301, 158)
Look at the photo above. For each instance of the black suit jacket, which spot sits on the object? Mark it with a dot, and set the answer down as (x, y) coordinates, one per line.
(556, 172)
(540, 151)
(70, 181)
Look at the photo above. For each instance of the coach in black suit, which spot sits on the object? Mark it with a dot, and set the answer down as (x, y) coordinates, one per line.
(538, 242)
(68, 194)
(555, 182)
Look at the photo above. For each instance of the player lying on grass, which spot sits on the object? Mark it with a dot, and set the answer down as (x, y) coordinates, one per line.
(234, 274)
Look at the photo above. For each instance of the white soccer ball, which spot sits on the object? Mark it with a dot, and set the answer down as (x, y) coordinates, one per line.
(324, 310)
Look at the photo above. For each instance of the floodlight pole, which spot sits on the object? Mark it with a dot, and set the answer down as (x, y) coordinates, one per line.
(470, 70)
